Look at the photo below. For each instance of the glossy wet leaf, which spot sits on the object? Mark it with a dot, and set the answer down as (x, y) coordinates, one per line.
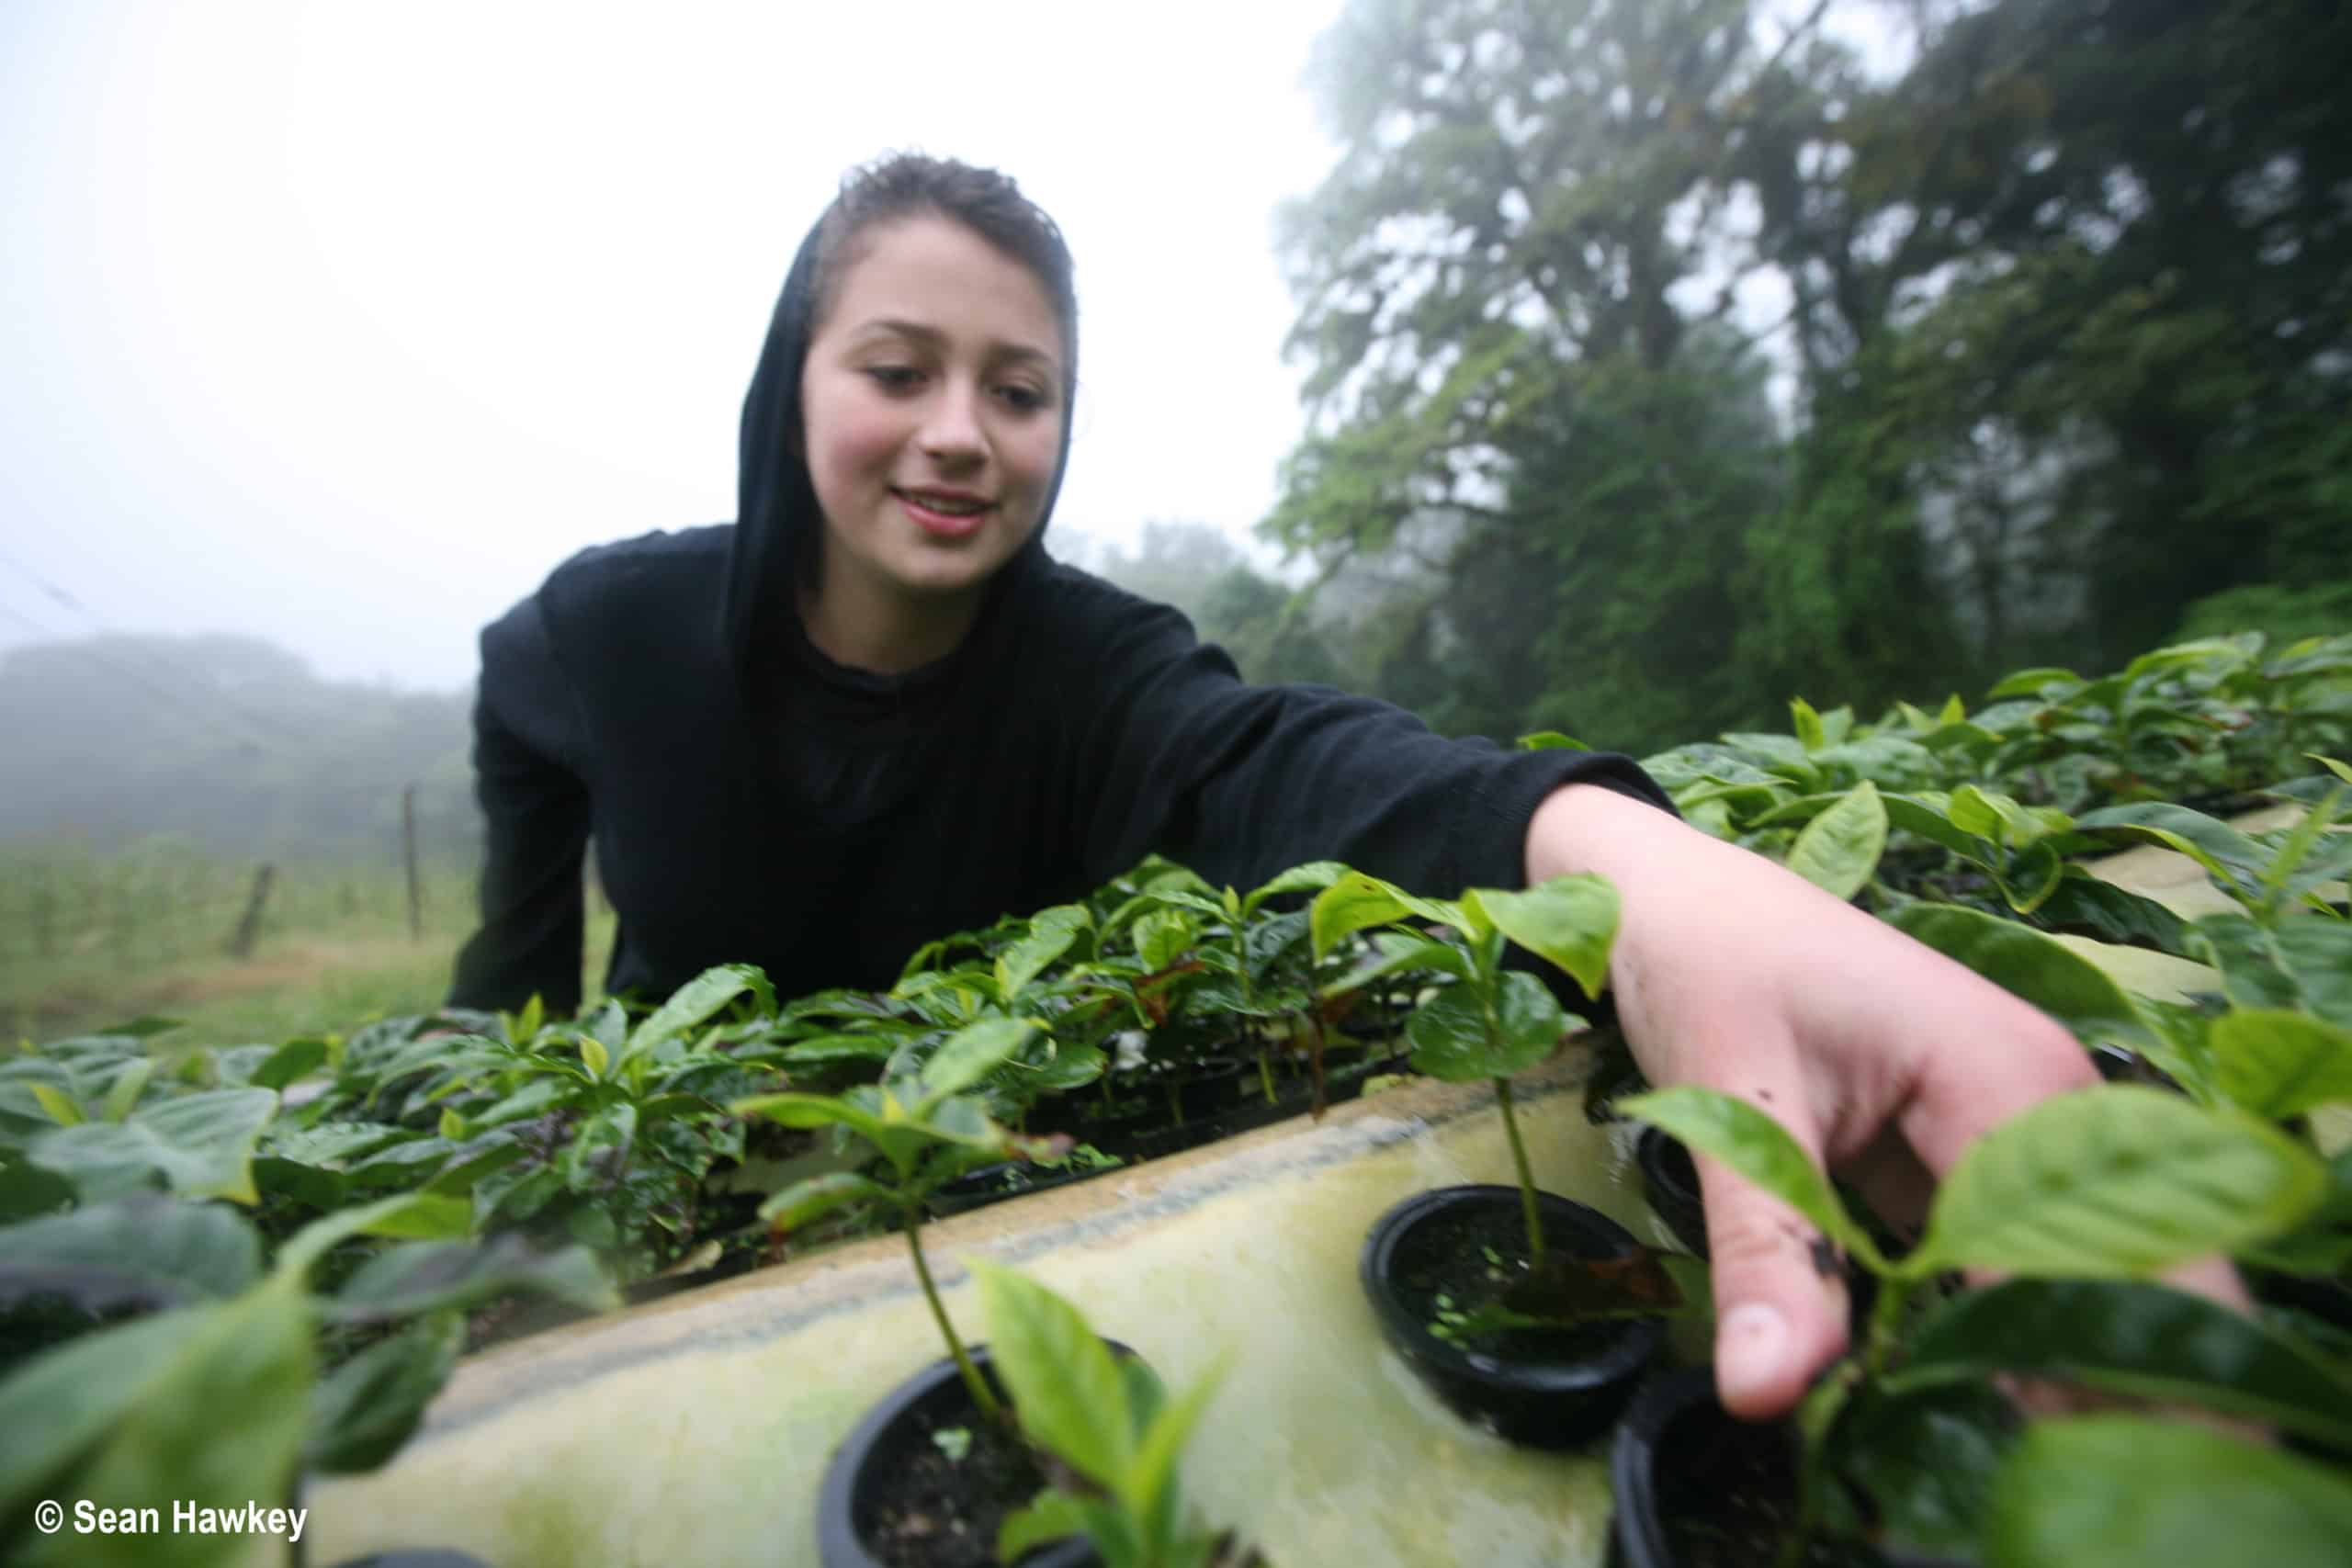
(2126, 1492)
(812, 1111)
(1397, 952)
(1927, 1461)
(1311, 877)
(2279, 1064)
(698, 1000)
(1838, 850)
(1049, 935)
(1062, 1380)
(1357, 902)
(1161, 938)
(2146, 1340)
(2029, 966)
(199, 1145)
(147, 1249)
(2083, 904)
(1448, 1032)
(970, 1054)
(1755, 1145)
(2118, 1181)
(1569, 921)
(362, 1412)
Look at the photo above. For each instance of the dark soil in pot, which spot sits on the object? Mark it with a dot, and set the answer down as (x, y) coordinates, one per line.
(1671, 1181)
(893, 1499)
(1699, 1489)
(1453, 1251)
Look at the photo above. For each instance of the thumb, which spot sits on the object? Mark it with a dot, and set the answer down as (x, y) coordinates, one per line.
(1780, 1290)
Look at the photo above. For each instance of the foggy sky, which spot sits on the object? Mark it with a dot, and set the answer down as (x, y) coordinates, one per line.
(342, 324)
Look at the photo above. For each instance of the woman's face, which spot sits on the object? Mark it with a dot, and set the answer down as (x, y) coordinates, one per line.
(932, 409)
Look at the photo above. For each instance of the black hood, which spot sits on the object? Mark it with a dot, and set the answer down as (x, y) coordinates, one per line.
(778, 524)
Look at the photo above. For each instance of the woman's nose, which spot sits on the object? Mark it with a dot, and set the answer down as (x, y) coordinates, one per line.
(951, 428)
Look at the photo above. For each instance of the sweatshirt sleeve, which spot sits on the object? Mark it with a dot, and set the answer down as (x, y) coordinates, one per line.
(537, 811)
(1240, 782)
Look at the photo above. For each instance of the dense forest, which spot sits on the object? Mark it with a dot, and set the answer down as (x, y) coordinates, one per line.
(1664, 360)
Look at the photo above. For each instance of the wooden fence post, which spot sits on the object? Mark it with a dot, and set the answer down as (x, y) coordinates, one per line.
(248, 931)
(408, 846)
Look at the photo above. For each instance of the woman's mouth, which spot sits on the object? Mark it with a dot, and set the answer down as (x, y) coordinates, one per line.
(943, 515)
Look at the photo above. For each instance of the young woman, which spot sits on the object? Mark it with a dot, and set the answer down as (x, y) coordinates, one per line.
(873, 710)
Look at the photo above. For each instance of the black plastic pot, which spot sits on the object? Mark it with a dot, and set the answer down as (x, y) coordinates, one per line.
(935, 1393)
(1671, 1182)
(1546, 1404)
(1677, 1448)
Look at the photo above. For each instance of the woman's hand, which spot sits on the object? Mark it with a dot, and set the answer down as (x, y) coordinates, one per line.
(1873, 1051)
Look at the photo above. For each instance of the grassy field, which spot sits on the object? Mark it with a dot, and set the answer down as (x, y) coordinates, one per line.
(87, 941)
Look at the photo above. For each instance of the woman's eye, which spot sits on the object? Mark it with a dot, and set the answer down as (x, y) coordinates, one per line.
(894, 378)
(1023, 399)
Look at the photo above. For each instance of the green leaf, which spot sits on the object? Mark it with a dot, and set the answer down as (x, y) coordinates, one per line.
(2144, 1340)
(2114, 1180)
(295, 1059)
(1064, 1384)
(1450, 1036)
(1395, 951)
(217, 1425)
(1151, 1490)
(694, 1002)
(122, 1095)
(2084, 905)
(1055, 1516)
(1839, 849)
(813, 1110)
(803, 1200)
(146, 1247)
(2125, 1491)
(60, 1403)
(2030, 682)
(594, 1058)
(1049, 936)
(1759, 1148)
(1928, 1461)
(1161, 938)
(970, 1054)
(2279, 1064)
(1570, 921)
(1551, 740)
(200, 1143)
(2029, 966)
(1312, 877)
(444, 1276)
(404, 1214)
(1807, 723)
(2301, 963)
(2218, 847)
(1356, 901)
(2339, 769)
(363, 1411)
(60, 1105)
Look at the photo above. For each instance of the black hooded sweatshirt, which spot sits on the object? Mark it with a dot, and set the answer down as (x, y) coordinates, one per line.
(750, 801)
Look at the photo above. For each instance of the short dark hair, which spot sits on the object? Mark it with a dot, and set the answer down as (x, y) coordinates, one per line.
(910, 185)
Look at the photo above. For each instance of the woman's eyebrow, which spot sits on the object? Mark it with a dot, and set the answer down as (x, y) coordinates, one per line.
(932, 337)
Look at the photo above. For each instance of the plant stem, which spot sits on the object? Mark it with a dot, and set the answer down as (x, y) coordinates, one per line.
(1887, 1319)
(1526, 1177)
(1266, 1074)
(974, 1385)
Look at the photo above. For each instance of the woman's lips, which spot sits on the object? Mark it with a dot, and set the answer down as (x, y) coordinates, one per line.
(943, 524)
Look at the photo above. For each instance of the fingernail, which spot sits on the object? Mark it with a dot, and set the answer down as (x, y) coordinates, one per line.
(1748, 1343)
